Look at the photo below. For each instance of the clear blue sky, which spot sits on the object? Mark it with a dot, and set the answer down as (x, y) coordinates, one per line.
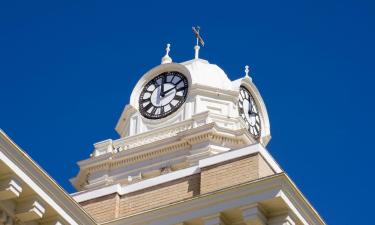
(67, 69)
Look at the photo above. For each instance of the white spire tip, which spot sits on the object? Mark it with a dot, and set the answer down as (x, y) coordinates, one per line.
(247, 70)
(167, 58)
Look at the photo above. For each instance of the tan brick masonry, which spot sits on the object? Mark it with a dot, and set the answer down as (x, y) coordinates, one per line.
(225, 174)
(159, 195)
(103, 208)
(233, 172)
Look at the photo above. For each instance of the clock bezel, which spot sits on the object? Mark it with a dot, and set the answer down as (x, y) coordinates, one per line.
(175, 108)
(259, 114)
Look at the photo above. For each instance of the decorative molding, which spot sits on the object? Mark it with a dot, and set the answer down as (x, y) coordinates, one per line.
(30, 209)
(5, 218)
(285, 219)
(181, 141)
(52, 220)
(41, 184)
(122, 190)
(213, 219)
(10, 188)
(253, 215)
(248, 194)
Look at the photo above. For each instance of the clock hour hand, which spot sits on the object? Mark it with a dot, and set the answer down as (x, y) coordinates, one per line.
(251, 113)
(167, 91)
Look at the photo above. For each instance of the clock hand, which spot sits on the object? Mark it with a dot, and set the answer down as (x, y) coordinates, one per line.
(162, 86)
(169, 90)
(158, 95)
(167, 95)
(251, 113)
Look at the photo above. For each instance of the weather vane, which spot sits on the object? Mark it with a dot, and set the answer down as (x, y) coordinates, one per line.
(199, 41)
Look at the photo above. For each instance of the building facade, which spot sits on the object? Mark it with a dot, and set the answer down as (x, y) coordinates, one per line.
(192, 150)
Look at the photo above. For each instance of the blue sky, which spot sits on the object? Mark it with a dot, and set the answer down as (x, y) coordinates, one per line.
(67, 69)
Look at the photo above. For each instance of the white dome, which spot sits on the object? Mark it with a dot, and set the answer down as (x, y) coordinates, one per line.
(204, 73)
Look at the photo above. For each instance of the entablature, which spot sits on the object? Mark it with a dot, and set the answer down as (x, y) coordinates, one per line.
(180, 149)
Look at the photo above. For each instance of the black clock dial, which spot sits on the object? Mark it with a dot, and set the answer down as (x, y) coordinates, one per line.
(163, 95)
(249, 112)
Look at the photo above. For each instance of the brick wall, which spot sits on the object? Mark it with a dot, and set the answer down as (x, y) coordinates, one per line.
(264, 169)
(159, 195)
(103, 208)
(229, 173)
(215, 177)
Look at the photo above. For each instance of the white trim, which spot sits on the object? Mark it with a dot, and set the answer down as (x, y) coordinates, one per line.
(245, 195)
(122, 190)
(159, 180)
(84, 196)
(36, 188)
(269, 159)
(234, 154)
(292, 208)
(41, 184)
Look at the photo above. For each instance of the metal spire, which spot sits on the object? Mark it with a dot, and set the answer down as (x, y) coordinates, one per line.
(199, 41)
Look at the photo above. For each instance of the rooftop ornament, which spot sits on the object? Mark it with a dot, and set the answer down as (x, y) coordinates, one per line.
(199, 41)
(167, 58)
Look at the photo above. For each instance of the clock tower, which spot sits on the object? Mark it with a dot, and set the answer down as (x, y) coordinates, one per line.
(192, 149)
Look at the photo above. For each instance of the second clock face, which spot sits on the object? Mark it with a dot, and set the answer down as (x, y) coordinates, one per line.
(163, 95)
(249, 112)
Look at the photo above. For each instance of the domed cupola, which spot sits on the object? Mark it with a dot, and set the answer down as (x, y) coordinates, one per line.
(206, 74)
(179, 114)
(194, 92)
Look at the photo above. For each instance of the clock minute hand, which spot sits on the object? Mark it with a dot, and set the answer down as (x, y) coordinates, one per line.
(162, 93)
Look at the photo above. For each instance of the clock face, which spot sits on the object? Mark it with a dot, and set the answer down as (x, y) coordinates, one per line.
(249, 112)
(163, 95)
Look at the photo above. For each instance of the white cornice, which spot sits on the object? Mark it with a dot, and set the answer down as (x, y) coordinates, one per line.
(178, 141)
(122, 190)
(47, 189)
(234, 154)
(241, 195)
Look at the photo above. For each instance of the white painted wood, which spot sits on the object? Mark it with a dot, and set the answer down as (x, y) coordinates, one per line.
(252, 215)
(30, 209)
(284, 219)
(213, 219)
(29, 173)
(10, 187)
